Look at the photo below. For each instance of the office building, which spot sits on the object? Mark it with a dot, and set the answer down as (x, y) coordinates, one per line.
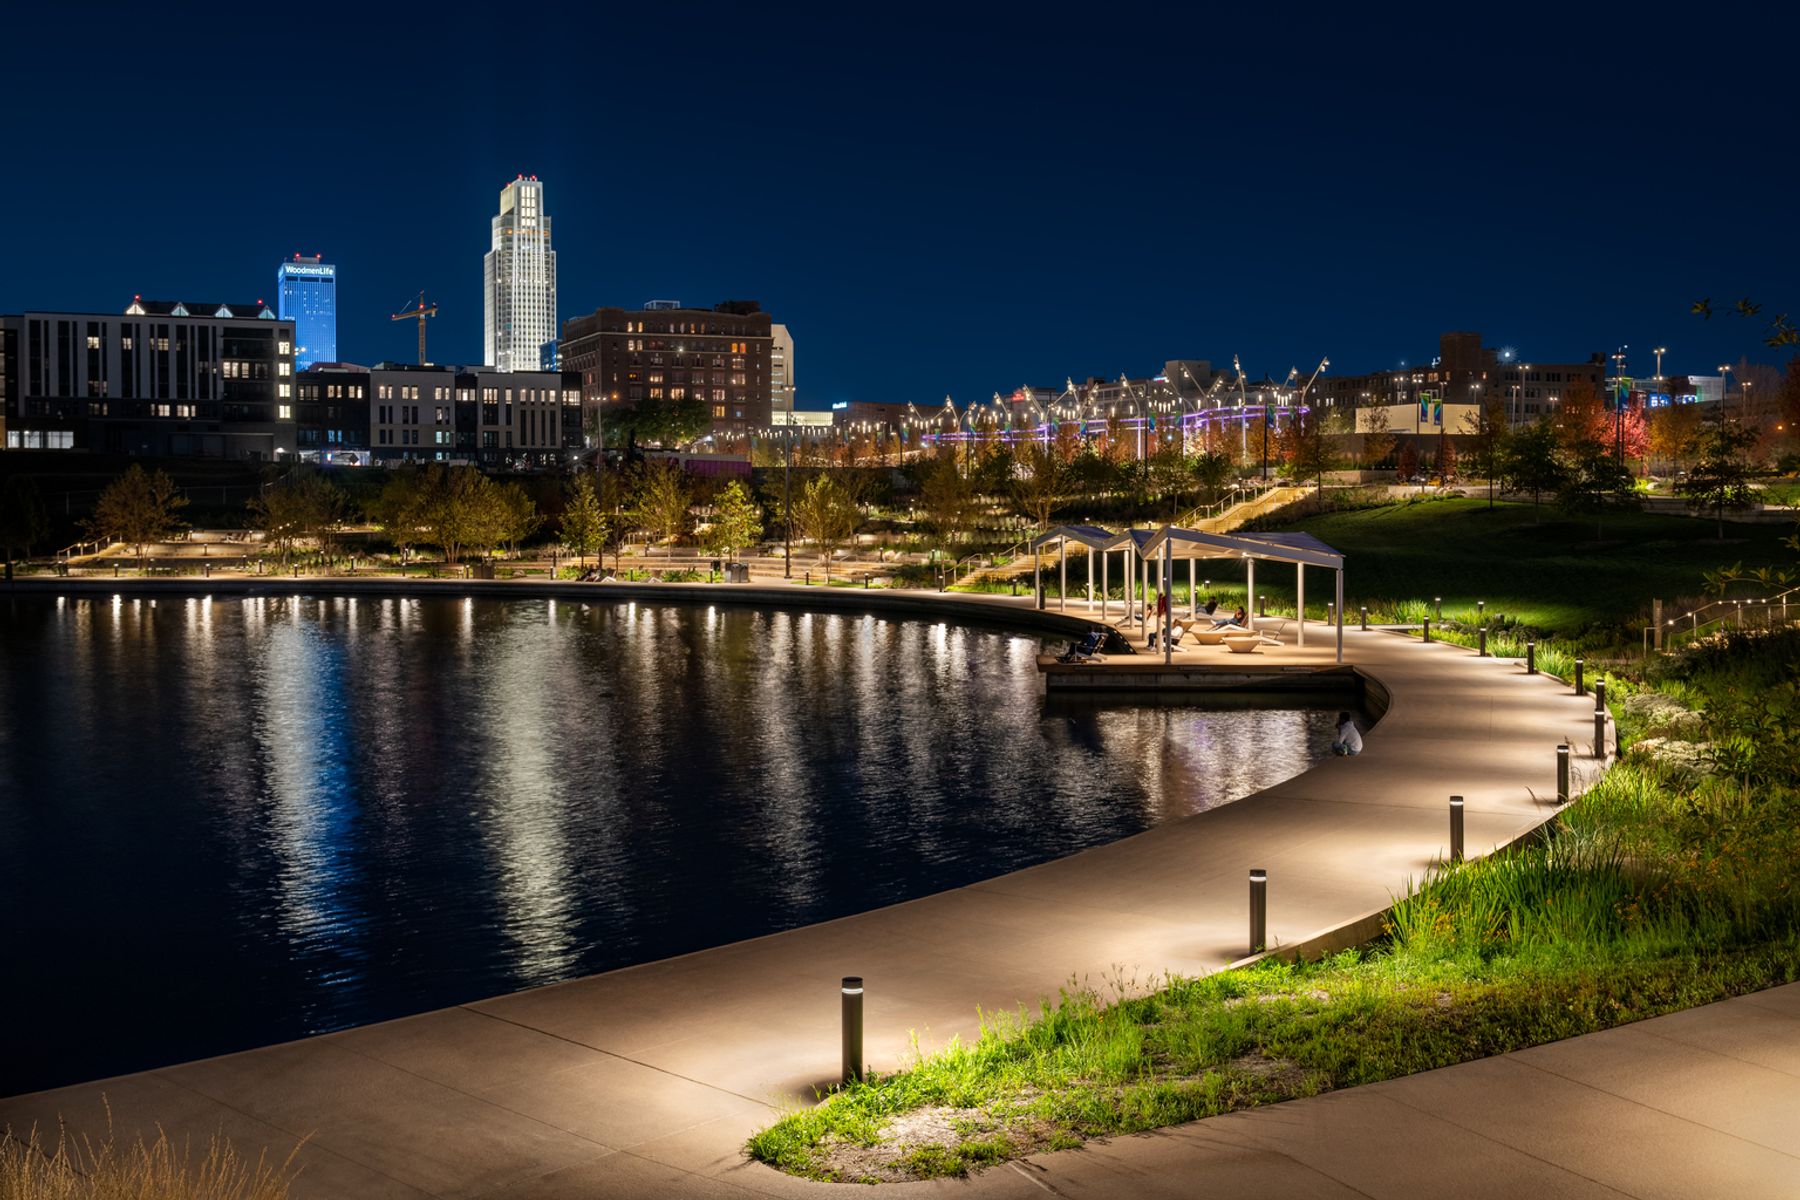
(519, 282)
(781, 369)
(306, 294)
(517, 420)
(719, 356)
(331, 414)
(162, 378)
(1462, 377)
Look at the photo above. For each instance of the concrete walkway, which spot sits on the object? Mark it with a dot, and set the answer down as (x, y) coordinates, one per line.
(647, 1080)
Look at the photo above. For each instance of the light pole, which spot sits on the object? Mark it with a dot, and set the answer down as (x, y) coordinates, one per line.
(1724, 389)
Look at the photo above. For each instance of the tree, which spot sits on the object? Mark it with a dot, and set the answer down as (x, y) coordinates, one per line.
(1721, 478)
(1040, 482)
(1409, 460)
(1674, 434)
(1378, 438)
(1311, 447)
(1581, 417)
(1595, 482)
(457, 515)
(1444, 462)
(137, 508)
(949, 503)
(1212, 471)
(583, 525)
(666, 423)
(304, 507)
(736, 522)
(403, 506)
(663, 501)
(1531, 461)
(22, 520)
(1485, 429)
(825, 515)
(516, 515)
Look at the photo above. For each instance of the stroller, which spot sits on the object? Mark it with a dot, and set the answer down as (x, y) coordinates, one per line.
(1086, 650)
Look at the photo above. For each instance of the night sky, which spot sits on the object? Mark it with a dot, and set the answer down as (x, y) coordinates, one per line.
(935, 200)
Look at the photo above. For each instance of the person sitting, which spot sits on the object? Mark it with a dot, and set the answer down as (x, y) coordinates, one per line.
(1235, 620)
(1349, 741)
(1175, 632)
(1088, 647)
(1212, 606)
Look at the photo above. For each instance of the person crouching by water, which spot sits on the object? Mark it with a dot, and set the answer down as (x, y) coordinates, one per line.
(1348, 740)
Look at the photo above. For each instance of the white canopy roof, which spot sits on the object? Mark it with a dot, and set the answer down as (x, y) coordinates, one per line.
(1278, 547)
(1091, 536)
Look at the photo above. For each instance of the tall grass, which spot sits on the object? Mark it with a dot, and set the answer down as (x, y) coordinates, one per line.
(84, 1169)
(1654, 892)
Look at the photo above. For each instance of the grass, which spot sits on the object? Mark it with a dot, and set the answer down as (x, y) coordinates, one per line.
(1548, 574)
(31, 1169)
(1656, 892)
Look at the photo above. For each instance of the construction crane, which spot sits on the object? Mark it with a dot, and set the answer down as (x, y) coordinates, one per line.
(421, 310)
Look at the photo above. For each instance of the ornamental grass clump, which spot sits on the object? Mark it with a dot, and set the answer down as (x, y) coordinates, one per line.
(161, 1169)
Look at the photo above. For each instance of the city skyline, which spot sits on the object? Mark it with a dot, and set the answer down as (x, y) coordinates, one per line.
(1073, 218)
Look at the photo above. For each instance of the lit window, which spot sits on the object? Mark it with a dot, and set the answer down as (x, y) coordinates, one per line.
(284, 412)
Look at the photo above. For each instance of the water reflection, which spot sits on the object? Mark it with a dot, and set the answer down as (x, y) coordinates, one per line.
(335, 811)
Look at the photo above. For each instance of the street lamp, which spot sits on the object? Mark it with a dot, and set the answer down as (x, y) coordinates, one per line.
(1724, 388)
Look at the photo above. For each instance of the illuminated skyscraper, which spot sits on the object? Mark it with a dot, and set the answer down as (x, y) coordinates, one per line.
(306, 294)
(781, 369)
(519, 282)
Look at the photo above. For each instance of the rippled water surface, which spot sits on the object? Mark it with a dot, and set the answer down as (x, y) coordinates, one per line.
(231, 822)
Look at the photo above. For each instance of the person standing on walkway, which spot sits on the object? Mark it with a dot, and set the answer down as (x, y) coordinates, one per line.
(1349, 741)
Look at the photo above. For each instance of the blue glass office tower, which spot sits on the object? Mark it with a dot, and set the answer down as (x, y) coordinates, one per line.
(306, 294)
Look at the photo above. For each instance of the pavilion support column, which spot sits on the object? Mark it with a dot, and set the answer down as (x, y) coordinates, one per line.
(1300, 602)
(1037, 578)
(1062, 582)
(1193, 596)
(1340, 614)
(1168, 579)
(1104, 599)
(1090, 579)
(1250, 591)
(1144, 600)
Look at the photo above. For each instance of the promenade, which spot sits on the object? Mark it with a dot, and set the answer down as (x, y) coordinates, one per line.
(647, 1080)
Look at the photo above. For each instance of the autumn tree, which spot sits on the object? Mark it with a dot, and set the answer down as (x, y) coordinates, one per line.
(1409, 460)
(137, 508)
(1378, 437)
(1444, 462)
(1674, 435)
(1581, 417)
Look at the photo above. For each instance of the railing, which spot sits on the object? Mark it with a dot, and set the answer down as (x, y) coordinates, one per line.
(1715, 615)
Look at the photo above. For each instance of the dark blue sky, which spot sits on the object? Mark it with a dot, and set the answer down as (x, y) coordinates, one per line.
(945, 199)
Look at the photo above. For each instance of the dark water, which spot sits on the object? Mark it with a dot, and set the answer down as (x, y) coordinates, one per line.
(226, 823)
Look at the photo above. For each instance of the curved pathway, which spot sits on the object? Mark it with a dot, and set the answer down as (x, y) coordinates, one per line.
(647, 1079)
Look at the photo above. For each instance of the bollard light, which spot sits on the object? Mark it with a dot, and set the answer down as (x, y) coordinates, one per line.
(1482, 635)
(1427, 629)
(1259, 909)
(1480, 609)
(1600, 734)
(1456, 829)
(1600, 695)
(1580, 684)
(1439, 601)
(1531, 658)
(852, 989)
(1365, 616)
(1562, 773)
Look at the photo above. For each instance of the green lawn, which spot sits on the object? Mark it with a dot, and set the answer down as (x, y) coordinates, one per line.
(1551, 575)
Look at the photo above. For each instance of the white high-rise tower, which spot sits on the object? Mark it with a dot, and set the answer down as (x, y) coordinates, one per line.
(519, 282)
